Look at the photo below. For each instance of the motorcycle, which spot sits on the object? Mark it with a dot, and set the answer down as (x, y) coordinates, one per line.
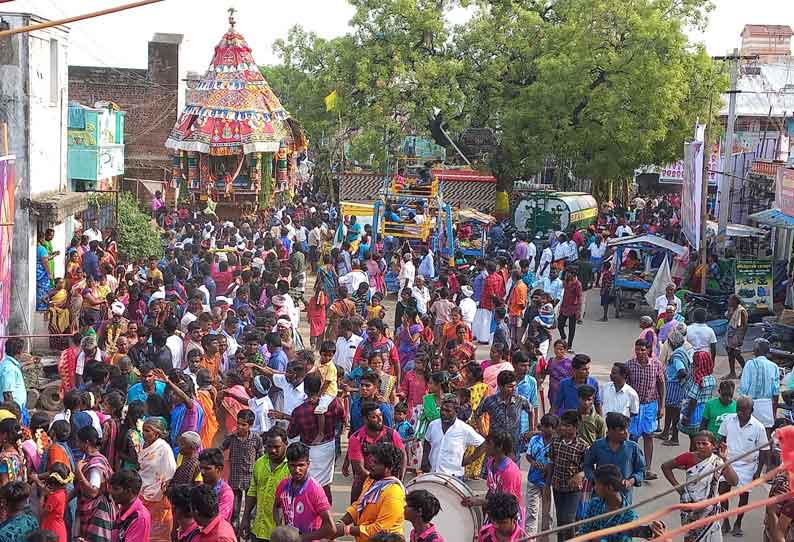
(716, 305)
(781, 342)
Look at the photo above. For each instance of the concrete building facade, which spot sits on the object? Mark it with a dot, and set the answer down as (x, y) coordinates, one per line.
(33, 104)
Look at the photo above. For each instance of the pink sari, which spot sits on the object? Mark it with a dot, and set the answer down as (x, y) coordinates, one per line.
(375, 273)
(233, 405)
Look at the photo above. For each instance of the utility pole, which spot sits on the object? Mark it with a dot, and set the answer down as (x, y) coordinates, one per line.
(727, 185)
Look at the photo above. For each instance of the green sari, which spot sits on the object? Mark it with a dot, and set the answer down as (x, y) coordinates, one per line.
(430, 412)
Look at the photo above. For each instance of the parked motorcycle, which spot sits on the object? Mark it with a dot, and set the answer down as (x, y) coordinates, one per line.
(781, 342)
(716, 305)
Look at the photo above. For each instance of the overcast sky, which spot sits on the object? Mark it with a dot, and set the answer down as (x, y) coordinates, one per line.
(120, 39)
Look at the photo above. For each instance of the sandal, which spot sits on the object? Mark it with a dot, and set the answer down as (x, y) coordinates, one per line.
(651, 475)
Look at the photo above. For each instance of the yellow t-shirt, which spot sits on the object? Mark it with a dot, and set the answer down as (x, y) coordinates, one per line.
(387, 515)
(154, 274)
(328, 373)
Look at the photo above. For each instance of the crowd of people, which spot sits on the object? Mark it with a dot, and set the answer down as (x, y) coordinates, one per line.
(194, 409)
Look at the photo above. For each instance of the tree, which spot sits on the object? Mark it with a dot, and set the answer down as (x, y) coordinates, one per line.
(138, 237)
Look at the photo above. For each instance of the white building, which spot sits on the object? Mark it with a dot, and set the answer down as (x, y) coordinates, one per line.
(34, 104)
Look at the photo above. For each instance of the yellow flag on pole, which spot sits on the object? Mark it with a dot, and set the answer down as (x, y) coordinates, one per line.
(330, 101)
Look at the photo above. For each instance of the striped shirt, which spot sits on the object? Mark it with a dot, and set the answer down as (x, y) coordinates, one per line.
(760, 379)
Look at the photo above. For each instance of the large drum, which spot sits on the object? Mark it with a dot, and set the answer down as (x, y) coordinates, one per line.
(454, 522)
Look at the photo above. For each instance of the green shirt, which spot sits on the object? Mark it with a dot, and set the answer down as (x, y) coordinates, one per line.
(263, 486)
(591, 428)
(715, 412)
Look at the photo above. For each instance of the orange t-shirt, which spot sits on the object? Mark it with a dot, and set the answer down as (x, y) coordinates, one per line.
(518, 299)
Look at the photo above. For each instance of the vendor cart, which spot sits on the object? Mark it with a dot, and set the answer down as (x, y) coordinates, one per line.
(472, 234)
(631, 285)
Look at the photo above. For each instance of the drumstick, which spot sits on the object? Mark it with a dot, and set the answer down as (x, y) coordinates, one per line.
(788, 458)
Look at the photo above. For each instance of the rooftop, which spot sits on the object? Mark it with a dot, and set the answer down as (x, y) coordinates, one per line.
(773, 86)
(775, 29)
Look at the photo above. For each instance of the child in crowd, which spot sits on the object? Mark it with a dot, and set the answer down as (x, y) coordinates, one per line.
(376, 308)
(566, 467)
(421, 507)
(591, 424)
(55, 498)
(606, 289)
(244, 448)
(401, 423)
(538, 496)
(502, 510)
(329, 389)
(456, 379)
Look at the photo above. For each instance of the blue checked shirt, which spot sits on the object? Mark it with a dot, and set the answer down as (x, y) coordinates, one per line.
(528, 389)
(760, 379)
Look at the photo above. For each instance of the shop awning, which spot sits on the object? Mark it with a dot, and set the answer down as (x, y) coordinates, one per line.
(774, 217)
(734, 230)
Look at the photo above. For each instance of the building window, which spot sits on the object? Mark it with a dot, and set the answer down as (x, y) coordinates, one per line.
(54, 72)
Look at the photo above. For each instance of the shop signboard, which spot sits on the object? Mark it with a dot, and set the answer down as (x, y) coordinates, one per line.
(753, 279)
(784, 191)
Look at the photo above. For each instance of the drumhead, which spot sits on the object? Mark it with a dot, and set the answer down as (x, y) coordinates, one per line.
(454, 521)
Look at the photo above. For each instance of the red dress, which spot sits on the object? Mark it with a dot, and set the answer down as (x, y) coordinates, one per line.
(317, 315)
(54, 509)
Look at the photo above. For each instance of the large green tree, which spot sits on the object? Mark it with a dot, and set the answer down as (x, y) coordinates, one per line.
(599, 86)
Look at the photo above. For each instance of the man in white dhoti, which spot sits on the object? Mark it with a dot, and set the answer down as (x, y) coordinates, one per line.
(743, 433)
(304, 424)
(761, 383)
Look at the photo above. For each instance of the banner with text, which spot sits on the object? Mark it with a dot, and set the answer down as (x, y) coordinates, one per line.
(754, 285)
(692, 189)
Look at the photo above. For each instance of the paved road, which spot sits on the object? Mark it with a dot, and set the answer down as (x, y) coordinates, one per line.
(606, 343)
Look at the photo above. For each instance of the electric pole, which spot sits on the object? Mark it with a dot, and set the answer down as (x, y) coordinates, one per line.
(727, 185)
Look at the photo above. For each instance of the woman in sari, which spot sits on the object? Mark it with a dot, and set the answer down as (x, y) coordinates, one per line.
(130, 437)
(113, 408)
(340, 309)
(93, 302)
(462, 349)
(73, 268)
(58, 315)
(559, 368)
(235, 399)
(409, 339)
(12, 462)
(438, 387)
(477, 390)
(206, 396)
(699, 389)
(376, 267)
(186, 412)
(95, 509)
(327, 279)
(59, 451)
(648, 334)
(187, 463)
(43, 278)
(76, 301)
(707, 457)
(157, 469)
(387, 382)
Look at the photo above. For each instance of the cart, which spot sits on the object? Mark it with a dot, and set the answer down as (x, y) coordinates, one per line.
(476, 244)
(630, 287)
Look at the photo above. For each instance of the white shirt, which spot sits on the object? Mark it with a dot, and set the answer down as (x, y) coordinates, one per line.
(315, 237)
(293, 396)
(701, 337)
(187, 319)
(742, 439)
(80, 366)
(422, 297)
(407, 272)
(446, 454)
(620, 231)
(468, 308)
(292, 310)
(662, 302)
(93, 235)
(232, 347)
(261, 407)
(353, 280)
(597, 251)
(545, 260)
(345, 348)
(531, 253)
(176, 345)
(626, 401)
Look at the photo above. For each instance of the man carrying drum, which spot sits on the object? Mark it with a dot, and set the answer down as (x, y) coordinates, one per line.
(446, 440)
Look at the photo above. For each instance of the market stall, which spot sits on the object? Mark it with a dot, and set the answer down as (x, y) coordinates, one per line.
(471, 237)
(636, 261)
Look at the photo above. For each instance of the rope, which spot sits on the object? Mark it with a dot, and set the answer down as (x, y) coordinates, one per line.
(649, 500)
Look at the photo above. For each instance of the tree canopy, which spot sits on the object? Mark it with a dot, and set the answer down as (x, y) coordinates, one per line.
(603, 85)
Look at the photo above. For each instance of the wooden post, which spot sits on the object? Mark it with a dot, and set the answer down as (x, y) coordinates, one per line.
(48, 24)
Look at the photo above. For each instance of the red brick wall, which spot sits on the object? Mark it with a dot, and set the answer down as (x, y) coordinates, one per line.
(149, 98)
